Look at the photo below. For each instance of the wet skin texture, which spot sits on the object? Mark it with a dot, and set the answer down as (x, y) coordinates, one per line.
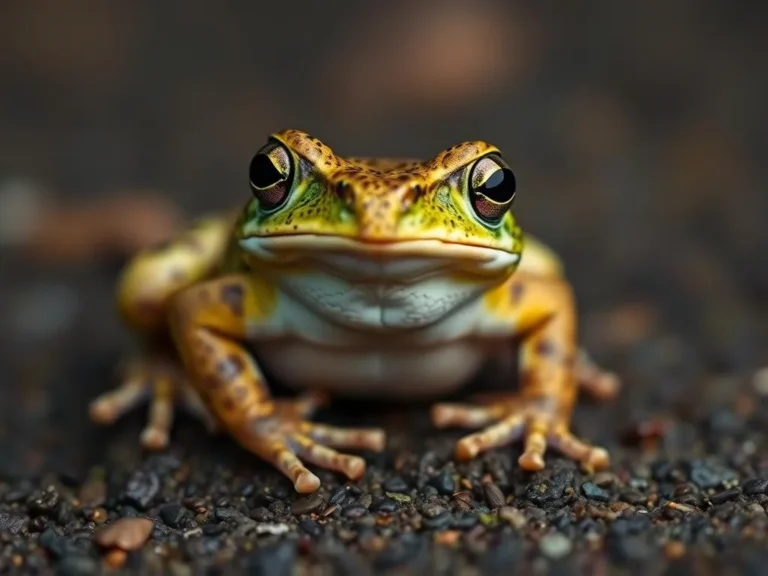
(356, 277)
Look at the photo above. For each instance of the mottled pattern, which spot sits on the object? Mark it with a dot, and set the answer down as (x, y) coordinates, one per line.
(380, 199)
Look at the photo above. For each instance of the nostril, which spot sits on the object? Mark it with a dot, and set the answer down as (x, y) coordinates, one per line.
(346, 193)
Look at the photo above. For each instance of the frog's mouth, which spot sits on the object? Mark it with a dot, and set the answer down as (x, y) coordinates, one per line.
(402, 259)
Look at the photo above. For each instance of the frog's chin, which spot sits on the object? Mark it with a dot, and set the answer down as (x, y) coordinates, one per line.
(404, 259)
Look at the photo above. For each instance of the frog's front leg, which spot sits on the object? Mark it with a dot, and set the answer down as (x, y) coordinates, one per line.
(209, 322)
(542, 309)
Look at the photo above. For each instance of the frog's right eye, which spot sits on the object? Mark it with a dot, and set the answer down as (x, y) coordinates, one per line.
(270, 176)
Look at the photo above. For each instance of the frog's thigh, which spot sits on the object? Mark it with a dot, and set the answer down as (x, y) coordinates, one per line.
(530, 291)
(155, 274)
(209, 323)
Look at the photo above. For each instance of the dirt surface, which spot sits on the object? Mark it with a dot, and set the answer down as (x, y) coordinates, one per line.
(686, 490)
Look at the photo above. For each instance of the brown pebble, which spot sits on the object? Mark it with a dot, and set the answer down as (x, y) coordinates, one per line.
(463, 500)
(126, 533)
(493, 495)
(681, 507)
(604, 479)
(373, 543)
(115, 558)
(99, 515)
(674, 550)
(447, 537)
(307, 504)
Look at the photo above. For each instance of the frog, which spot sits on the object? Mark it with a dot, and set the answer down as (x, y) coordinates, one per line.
(363, 278)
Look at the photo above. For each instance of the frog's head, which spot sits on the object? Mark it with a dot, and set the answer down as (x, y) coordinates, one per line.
(356, 215)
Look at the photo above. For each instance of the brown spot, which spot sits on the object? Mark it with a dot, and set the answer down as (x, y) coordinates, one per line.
(232, 295)
(545, 348)
(518, 289)
(229, 404)
(211, 383)
(240, 393)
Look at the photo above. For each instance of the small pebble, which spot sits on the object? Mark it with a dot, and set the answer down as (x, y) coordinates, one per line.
(724, 496)
(355, 511)
(443, 483)
(311, 527)
(126, 533)
(755, 486)
(384, 504)
(307, 504)
(395, 484)
(493, 495)
(594, 492)
(175, 516)
(512, 516)
(555, 545)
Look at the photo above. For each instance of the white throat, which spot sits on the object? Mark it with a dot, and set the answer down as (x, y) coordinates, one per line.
(408, 286)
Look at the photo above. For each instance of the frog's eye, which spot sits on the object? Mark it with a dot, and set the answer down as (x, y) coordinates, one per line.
(270, 175)
(492, 188)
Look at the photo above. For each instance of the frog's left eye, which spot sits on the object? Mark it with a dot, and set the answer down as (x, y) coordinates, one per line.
(270, 176)
(492, 188)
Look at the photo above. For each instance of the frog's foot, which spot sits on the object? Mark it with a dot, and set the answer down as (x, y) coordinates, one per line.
(164, 384)
(284, 438)
(595, 381)
(537, 420)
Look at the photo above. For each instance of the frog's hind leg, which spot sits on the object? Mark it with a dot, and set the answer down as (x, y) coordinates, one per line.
(143, 293)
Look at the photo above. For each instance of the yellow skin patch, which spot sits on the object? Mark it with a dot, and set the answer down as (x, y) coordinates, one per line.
(434, 246)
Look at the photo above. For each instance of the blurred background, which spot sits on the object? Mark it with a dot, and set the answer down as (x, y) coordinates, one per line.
(637, 132)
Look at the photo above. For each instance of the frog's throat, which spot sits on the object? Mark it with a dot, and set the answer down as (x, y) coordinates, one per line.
(402, 257)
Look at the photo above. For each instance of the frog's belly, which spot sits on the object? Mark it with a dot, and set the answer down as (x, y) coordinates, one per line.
(419, 372)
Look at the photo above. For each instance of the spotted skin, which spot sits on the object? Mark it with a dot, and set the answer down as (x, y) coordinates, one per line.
(246, 277)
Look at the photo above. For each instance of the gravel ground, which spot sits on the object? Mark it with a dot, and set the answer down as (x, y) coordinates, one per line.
(687, 489)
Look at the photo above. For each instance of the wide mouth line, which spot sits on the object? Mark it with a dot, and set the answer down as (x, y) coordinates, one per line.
(401, 246)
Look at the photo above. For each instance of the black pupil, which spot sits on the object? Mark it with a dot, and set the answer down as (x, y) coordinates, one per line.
(263, 172)
(500, 186)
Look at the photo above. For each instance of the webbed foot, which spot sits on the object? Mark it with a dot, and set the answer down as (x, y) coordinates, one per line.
(507, 419)
(285, 437)
(162, 382)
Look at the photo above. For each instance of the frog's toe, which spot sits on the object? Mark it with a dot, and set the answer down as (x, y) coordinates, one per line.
(351, 466)
(357, 438)
(447, 414)
(500, 434)
(155, 435)
(592, 458)
(153, 438)
(279, 453)
(595, 381)
(108, 407)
